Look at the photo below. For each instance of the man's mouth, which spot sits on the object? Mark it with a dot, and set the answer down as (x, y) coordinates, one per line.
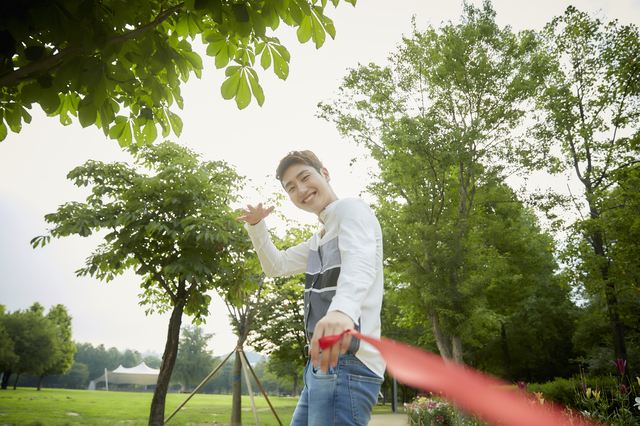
(309, 198)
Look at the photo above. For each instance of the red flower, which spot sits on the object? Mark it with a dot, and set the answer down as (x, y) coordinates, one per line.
(440, 419)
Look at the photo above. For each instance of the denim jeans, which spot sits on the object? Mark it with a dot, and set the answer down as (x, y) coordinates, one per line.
(344, 395)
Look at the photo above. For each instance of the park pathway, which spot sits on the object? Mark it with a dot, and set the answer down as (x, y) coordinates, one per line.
(399, 419)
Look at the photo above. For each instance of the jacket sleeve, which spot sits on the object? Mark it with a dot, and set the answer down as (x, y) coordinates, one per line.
(358, 250)
(277, 263)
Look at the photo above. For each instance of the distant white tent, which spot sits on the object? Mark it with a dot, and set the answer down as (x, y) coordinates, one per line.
(139, 375)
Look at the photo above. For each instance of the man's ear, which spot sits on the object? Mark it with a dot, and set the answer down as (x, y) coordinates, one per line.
(325, 173)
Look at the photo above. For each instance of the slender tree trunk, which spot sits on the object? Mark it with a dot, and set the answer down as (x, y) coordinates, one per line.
(617, 331)
(156, 416)
(456, 346)
(15, 384)
(441, 340)
(5, 379)
(294, 392)
(505, 353)
(236, 401)
(40, 382)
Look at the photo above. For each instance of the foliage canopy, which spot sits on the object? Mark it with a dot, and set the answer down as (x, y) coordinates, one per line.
(119, 65)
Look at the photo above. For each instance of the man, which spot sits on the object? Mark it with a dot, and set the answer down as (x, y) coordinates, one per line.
(343, 290)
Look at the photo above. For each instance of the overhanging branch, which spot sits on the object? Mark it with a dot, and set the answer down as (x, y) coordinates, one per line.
(50, 61)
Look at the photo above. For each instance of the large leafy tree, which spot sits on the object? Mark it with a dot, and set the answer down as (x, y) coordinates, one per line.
(119, 65)
(34, 341)
(8, 357)
(173, 225)
(62, 356)
(194, 361)
(440, 122)
(590, 109)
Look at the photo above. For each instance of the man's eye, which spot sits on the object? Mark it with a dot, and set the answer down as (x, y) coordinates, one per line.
(305, 177)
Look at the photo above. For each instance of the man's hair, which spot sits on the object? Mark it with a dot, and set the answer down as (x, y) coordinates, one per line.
(298, 157)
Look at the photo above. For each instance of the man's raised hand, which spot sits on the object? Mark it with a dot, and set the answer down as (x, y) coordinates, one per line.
(253, 215)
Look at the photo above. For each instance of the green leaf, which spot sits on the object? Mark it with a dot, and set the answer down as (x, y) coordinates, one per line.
(280, 67)
(243, 97)
(49, 100)
(87, 113)
(222, 58)
(265, 60)
(150, 132)
(30, 92)
(283, 52)
(304, 30)
(304, 6)
(255, 87)
(319, 34)
(3, 131)
(117, 130)
(240, 12)
(229, 88)
(231, 70)
(34, 53)
(45, 81)
(194, 59)
(176, 123)
(126, 137)
(182, 27)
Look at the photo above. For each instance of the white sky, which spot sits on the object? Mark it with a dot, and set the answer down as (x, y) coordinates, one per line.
(35, 162)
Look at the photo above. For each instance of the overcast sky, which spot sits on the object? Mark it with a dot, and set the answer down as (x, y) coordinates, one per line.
(35, 162)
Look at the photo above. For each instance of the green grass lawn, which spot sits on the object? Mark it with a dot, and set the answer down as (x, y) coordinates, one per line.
(57, 407)
(27, 406)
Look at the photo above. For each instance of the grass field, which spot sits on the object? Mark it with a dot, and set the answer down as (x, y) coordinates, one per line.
(59, 407)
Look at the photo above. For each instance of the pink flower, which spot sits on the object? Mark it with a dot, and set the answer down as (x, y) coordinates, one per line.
(522, 386)
(440, 419)
(621, 365)
(624, 389)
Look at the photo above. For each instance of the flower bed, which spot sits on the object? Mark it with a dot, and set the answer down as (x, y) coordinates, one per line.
(424, 411)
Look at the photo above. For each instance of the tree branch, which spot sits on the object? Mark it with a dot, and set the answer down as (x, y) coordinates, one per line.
(49, 61)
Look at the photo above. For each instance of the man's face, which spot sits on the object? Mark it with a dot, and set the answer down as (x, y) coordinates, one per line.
(308, 189)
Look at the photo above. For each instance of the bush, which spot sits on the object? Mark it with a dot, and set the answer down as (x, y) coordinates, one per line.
(563, 391)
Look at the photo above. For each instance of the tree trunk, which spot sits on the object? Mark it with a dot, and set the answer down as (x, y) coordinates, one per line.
(456, 344)
(617, 332)
(294, 391)
(236, 407)
(441, 340)
(40, 382)
(505, 353)
(156, 415)
(15, 384)
(5, 380)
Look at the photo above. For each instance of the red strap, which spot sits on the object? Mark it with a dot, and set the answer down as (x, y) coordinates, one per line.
(470, 389)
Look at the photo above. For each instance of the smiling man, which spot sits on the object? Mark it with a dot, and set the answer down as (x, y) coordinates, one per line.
(343, 289)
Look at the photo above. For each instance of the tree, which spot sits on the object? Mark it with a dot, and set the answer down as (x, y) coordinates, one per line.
(34, 340)
(120, 65)
(174, 227)
(440, 121)
(152, 361)
(8, 357)
(97, 359)
(62, 356)
(194, 361)
(589, 108)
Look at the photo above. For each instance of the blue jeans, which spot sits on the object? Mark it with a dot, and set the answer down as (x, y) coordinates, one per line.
(344, 395)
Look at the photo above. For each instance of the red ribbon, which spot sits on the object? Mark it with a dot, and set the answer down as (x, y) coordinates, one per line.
(468, 388)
